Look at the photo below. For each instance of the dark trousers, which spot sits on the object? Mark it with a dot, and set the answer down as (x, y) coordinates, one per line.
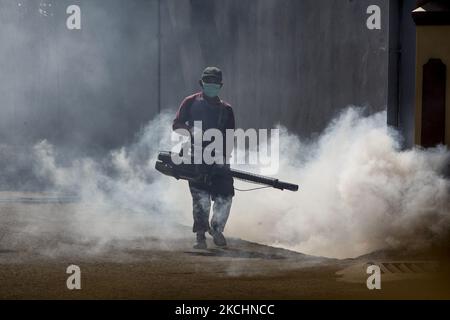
(221, 193)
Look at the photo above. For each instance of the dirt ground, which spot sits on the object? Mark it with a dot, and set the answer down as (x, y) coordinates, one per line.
(156, 268)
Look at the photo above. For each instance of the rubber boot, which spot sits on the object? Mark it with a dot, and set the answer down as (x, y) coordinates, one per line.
(218, 238)
(201, 241)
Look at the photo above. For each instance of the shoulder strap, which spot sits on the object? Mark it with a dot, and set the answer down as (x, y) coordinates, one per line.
(223, 117)
(189, 104)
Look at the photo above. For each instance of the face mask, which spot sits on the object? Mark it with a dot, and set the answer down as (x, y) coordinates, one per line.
(211, 89)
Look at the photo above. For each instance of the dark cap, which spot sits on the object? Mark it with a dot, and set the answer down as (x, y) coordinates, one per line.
(212, 72)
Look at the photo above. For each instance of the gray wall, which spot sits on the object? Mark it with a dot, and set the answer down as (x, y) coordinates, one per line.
(407, 89)
(90, 88)
(285, 61)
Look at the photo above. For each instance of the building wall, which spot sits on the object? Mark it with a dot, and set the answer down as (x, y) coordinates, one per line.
(297, 63)
(432, 42)
(90, 89)
(407, 73)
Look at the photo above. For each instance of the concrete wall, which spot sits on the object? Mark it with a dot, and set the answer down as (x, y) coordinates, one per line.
(406, 94)
(292, 62)
(91, 88)
(432, 42)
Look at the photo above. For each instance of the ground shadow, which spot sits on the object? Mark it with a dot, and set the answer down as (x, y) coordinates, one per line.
(2, 251)
(234, 253)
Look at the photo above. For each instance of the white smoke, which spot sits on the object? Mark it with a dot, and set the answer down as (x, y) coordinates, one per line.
(120, 198)
(358, 193)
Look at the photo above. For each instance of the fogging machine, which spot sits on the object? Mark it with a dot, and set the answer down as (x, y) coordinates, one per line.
(202, 173)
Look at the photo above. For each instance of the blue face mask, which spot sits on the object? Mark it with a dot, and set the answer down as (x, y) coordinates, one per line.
(211, 89)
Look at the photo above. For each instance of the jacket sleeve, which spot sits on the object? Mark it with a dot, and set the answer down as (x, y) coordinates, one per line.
(182, 116)
(231, 124)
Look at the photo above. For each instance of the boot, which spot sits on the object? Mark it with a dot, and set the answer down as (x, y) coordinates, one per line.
(218, 238)
(201, 241)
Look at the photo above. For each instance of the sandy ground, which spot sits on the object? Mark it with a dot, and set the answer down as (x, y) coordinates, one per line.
(159, 268)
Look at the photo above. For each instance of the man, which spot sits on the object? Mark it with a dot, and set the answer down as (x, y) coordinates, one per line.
(213, 113)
